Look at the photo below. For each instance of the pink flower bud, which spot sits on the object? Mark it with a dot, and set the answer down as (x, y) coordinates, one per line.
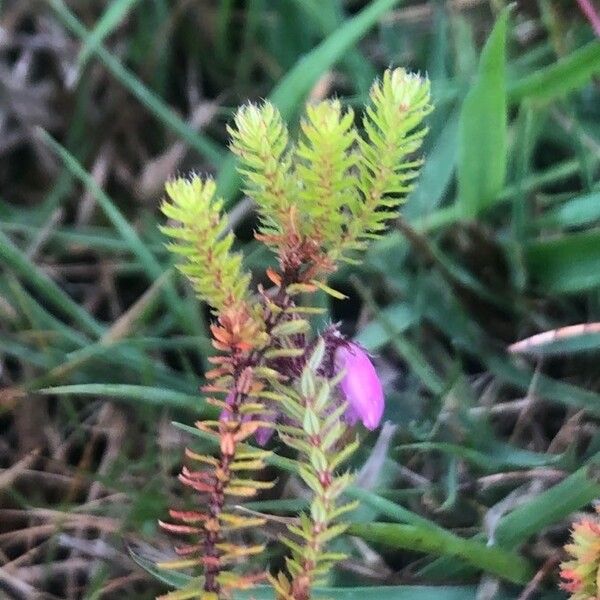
(360, 386)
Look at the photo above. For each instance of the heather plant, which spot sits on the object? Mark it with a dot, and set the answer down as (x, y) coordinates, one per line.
(480, 302)
(581, 572)
(320, 199)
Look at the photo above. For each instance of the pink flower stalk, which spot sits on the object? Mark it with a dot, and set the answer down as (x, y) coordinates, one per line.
(360, 386)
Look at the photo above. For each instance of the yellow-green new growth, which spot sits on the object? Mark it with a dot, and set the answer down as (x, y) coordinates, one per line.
(260, 140)
(325, 164)
(316, 433)
(320, 199)
(393, 131)
(337, 188)
(201, 238)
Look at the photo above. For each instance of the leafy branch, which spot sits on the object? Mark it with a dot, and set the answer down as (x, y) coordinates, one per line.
(320, 200)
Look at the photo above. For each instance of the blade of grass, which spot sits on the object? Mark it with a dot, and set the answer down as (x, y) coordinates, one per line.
(76, 137)
(555, 504)
(121, 328)
(161, 397)
(299, 81)
(482, 138)
(582, 210)
(97, 238)
(329, 16)
(179, 342)
(547, 388)
(25, 353)
(409, 351)
(448, 215)
(527, 125)
(16, 260)
(40, 318)
(436, 173)
(252, 18)
(60, 301)
(511, 567)
(125, 230)
(223, 39)
(108, 22)
(551, 506)
(375, 334)
(550, 176)
(562, 77)
(179, 580)
(467, 336)
(499, 457)
(566, 264)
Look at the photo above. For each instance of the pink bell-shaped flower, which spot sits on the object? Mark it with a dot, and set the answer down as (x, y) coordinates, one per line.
(360, 386)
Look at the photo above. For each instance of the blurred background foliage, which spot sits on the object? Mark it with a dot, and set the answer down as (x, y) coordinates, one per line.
(486, 455)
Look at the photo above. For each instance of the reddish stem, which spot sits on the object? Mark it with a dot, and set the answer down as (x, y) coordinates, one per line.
(212, 566)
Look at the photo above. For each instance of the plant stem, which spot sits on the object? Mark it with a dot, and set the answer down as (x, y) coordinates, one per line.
(242, 377)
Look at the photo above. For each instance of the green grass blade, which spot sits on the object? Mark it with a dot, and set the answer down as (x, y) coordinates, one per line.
(126, 231)
(506, 565)
(482, 137)
(499, 456)
(23, 352)
(583, 210)
(179, 580)
(450, 214)
(125, 352)
(549, 507)
(108, 22)
(223, 22)
(155, 396)
(40, 318)
(375, 334)
(13, 258)
(96, 238)
(565, 264)
(436, 173)
(552, 506)
(548, 388)
(299, 81)
(329, 16)
(566, 75)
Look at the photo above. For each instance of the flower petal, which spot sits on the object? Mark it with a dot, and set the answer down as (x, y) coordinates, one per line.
(361, 385)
